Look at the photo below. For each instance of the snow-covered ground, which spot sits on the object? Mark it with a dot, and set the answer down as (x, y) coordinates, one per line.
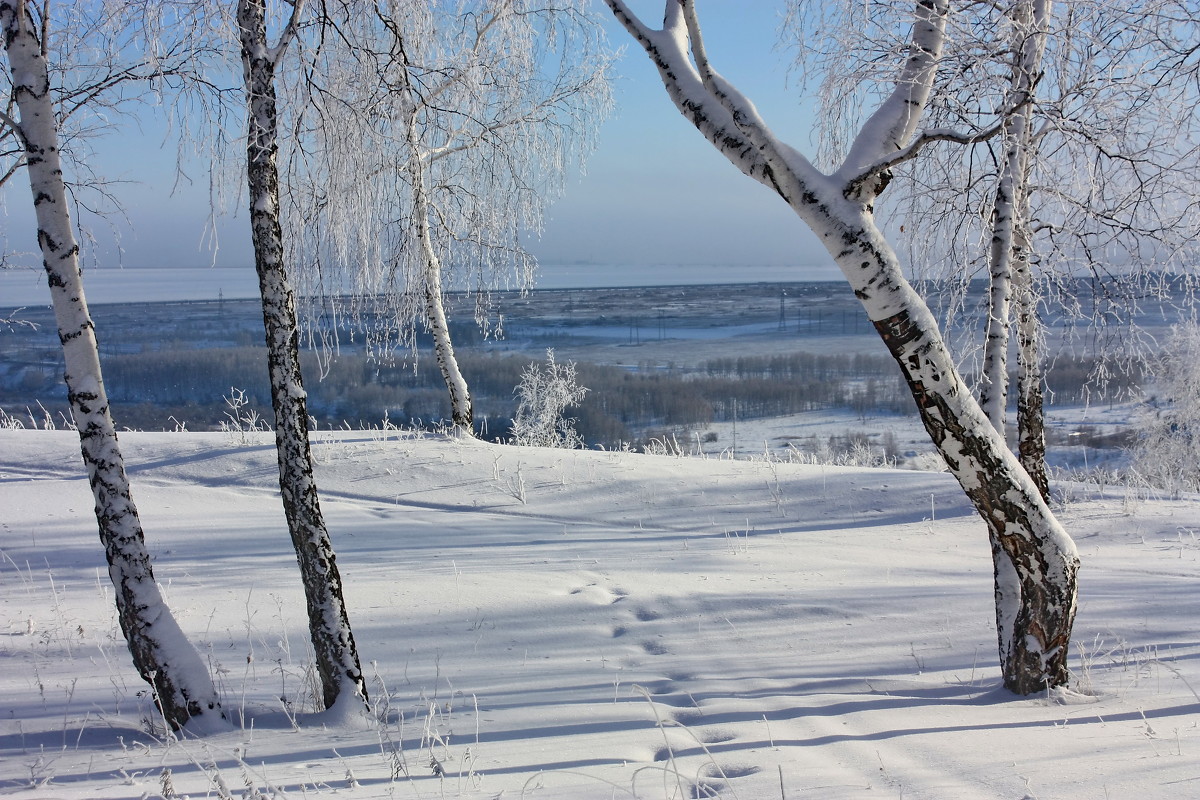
(570, 624)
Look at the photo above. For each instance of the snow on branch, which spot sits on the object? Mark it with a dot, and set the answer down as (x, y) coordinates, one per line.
(926, 137)
(896, 118)
(722, 114)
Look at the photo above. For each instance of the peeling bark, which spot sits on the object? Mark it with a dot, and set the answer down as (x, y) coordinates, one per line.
(183, 689)
(329, 625)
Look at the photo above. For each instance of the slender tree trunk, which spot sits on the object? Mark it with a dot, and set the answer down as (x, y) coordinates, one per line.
(461, 407)
(993, 384)
(1031, 420)
(1032, 24)
(1008, 250)
(161, 654)
(329, 626)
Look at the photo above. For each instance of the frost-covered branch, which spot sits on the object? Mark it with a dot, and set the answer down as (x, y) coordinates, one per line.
(932, 135)
(893, 123)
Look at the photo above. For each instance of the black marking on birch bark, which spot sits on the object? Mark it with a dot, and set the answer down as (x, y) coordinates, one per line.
(1045, 612)
(333, 643)
(69, 336)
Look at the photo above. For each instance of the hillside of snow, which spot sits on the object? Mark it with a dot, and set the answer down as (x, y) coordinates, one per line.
(579, 624)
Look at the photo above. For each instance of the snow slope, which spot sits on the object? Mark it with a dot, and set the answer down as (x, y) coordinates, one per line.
(570, 624)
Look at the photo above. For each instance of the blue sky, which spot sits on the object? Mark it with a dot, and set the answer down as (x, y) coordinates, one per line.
(655, 191)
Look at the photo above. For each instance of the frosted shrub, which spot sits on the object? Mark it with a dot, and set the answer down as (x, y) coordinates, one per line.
(242, 419)
(544, 394)
(1167, 453)
(9, 422)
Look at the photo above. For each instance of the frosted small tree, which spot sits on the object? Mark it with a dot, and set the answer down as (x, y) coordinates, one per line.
(1167, 453)
(544, 395)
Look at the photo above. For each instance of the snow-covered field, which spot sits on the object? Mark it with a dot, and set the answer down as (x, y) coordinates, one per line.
(570, 624)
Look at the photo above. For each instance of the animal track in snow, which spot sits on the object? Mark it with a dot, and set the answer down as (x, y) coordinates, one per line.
(600, 595)
(654, 648)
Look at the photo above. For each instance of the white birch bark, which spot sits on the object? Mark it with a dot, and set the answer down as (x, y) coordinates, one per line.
(329, 625)
(1036, 562)
(1029, 22)
(461, 409)
(162, 655)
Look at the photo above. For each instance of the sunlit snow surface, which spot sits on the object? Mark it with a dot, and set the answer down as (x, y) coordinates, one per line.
(570, 624)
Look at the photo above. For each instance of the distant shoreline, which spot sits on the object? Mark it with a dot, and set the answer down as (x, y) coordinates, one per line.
(27, 288)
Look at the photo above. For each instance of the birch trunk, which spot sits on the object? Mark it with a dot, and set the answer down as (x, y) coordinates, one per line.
(1031, 420)
(993, 384)
(461, 408)
(1009, 252)
(329, 626)
(161, 654)
(1035, 562)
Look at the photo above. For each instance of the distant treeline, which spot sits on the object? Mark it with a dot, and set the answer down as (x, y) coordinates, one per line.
(162, 387)
(623, 405)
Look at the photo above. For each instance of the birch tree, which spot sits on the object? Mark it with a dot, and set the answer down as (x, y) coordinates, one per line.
(1035, 561)
(329, 626)
(466, 119)
(182, 687)
(1083, 204)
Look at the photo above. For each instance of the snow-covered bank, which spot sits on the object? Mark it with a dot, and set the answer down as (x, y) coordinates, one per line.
(574, 624)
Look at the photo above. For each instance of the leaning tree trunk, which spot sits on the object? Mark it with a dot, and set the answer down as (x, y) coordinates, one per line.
(329, 626)
(461, 407)
(162, 655)
(1035, 561)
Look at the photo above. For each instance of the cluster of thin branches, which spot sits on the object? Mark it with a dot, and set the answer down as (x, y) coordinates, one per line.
(1113, 148)
(466, 121)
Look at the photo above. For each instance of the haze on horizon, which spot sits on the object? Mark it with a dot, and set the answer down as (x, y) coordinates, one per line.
(654, 193)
